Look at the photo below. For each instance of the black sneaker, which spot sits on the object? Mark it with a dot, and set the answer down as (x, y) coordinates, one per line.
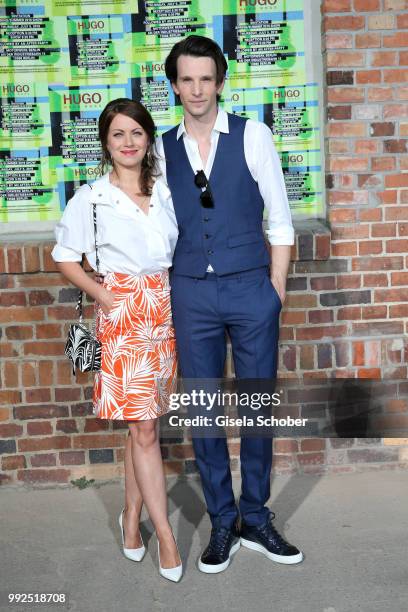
(224, 542)
(267, 540)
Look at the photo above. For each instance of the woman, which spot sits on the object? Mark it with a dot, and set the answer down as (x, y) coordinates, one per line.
(136, 237)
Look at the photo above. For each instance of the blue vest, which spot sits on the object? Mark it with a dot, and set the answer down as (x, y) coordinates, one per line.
(228, 236)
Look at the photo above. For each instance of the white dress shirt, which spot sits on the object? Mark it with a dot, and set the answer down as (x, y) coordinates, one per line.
(129, 241)
(263, 163)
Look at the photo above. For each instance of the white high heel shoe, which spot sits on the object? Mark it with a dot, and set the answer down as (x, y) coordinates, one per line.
(134, 554)
(171, 573)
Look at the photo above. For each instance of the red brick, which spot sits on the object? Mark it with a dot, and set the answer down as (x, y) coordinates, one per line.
(364, 6)
(48, 262)
(396, 180)
(369, 373)
(4, 414)
(397, 405)
(313, 444)
(40, 412)
(40, 298)
(365, 41)
(293, 317)
(339, 113)
(19, 332)
(403, 229)
(342, 215)
(403, 58)
(43, 460)
(336, 6)
(11, 375)
(39, 428)
(380, 94)
(321, 283)
(346, 129)
(395, 146)
(98, 441)
(322, 247)
(98, 424)
(374, 312)
(62, 313)
(321, 316)
(37, 444)
(31, 259)
(318, 333)
(64, 373)
(67, 426)
(395, 5)
(339, 41)
(344, 23)
(382, 129)
(349, 281)
(370, 247)
(72, 458)
(395, 76)
(370, 214)
(285, 446)
(399, 39)
(397, 213)
(15, 260)
(13, 298)
(345, 94)
(46, 372)
(399, 278)
(382, 164)
(384, 58)
(345, 58)
(48, 330)
(348, 233)
(41, 280)
(21, 314)
(28, 374)
(10, 397)
(381, 22)
(375, 280)
(13, 462)
(2, 261)
(368, 76)
(44, 348)
(10, 430)
(67, 394)
(402, 21)
(34, 396)
(349, 313)
(377, 263)
(396, 246)
(300, 301)
(43, 475)
(391, 295)
(344, 249)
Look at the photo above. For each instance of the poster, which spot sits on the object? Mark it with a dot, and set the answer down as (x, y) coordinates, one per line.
(61, 61)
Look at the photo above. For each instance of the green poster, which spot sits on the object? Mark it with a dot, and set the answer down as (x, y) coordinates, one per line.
(24, 116)
(27, 188)
(34, 48)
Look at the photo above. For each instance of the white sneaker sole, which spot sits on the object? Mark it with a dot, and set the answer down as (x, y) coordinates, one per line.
(291, 560)
(215, 569)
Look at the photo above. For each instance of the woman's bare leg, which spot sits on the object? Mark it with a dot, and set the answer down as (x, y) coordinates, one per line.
(149, 473)
(133, 501)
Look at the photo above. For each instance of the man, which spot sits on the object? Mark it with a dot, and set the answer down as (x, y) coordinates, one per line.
(222, 170)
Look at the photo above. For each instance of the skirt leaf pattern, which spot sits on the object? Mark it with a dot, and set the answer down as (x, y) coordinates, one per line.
(139, 365)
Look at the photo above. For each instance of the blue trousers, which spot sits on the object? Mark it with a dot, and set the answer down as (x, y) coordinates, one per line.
(247, 307)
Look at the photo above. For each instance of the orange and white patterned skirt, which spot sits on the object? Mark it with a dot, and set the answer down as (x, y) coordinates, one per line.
(139, 365)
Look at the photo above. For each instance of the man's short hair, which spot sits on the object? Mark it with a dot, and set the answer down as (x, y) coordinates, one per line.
(197, 46)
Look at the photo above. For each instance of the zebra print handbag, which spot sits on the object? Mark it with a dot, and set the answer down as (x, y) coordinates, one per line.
(82, 347)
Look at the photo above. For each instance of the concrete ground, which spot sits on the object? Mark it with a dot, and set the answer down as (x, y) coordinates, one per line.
(353, 529)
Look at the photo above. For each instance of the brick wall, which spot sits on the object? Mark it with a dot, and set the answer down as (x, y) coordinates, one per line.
(347, 306)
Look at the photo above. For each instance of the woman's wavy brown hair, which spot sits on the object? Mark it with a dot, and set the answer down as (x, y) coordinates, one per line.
(138, 113)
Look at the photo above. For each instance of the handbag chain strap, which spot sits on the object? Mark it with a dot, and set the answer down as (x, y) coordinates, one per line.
(80, 293)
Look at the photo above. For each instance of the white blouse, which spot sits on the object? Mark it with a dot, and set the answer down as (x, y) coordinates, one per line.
(129, 241)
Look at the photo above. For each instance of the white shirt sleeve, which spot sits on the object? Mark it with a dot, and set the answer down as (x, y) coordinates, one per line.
(265, 167)
(74, 233)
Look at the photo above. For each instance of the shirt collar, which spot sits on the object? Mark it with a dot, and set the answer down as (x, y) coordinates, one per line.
(220, 125)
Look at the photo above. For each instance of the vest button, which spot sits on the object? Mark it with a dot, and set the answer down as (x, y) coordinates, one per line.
(207, 236)
(210, 252)
(206, 219)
